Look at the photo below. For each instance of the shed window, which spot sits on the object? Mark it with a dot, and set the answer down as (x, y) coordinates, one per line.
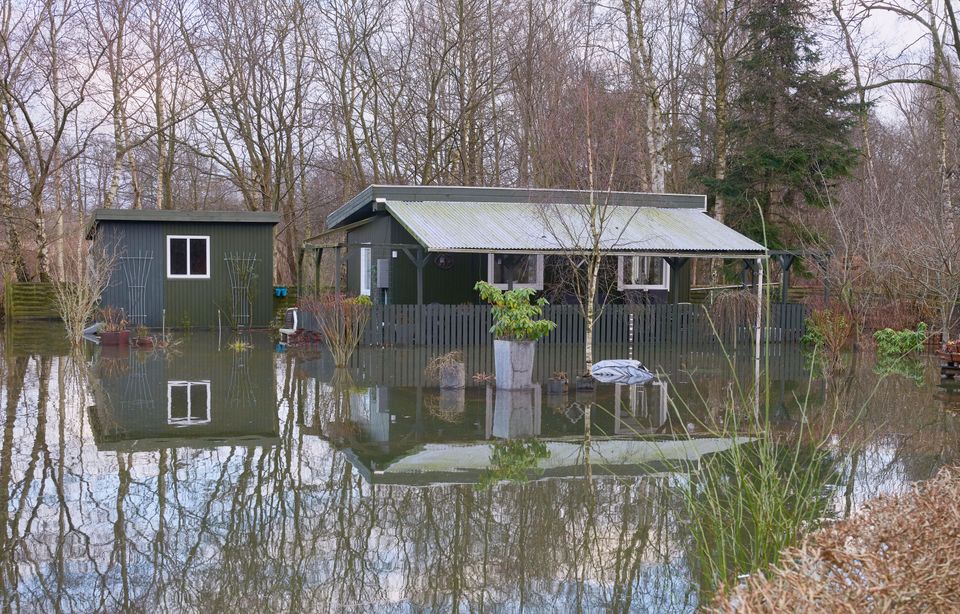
(188, 256)
(643, 273)
(527, 270)
(188, 403)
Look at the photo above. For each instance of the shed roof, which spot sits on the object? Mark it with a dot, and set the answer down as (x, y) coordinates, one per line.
(170, 216)
(527, 227)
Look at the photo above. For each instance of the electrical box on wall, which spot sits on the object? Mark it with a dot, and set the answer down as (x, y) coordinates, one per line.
(383, 273)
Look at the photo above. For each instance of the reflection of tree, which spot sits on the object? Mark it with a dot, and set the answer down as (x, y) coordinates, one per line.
(513, 460)
(296, 527)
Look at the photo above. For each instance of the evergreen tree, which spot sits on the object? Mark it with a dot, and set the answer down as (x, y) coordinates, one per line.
(791, 123)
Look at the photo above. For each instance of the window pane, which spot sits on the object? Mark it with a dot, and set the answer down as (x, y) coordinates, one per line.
(524, 269)
(198, 256)
(198, 403)
(178, 402)
(643, 271)
(178, 256)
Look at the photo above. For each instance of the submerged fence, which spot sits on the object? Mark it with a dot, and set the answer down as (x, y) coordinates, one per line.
(686, 324)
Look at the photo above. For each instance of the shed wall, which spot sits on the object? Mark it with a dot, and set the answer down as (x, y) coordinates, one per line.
(130, 240)
(193, 301)
(197, 301)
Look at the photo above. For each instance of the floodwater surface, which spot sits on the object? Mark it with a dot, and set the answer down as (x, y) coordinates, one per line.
(209, 478)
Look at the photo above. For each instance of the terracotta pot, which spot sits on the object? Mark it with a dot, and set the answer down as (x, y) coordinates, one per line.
(144, 342)
(121, 337)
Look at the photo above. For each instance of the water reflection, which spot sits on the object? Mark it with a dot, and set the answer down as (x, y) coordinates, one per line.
(209, 480)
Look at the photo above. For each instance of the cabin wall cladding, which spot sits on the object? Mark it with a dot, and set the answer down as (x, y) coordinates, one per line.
(137, 245)
(196, 301)
(453, 326)
(140, 286)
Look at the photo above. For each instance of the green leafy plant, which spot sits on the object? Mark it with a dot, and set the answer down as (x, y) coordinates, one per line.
(828, 330)
(910, 368)
(239, 345)
(512, 460)
(516, 316)
(897, 343)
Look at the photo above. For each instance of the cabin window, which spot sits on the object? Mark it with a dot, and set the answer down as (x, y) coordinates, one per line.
(366, 270)
(527, 270)
(643, 273)
(188, 257)
(188, 403)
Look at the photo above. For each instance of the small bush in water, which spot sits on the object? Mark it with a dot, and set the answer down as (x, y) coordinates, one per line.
(900, 342)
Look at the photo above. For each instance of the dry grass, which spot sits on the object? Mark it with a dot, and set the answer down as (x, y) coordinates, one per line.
(899, 554)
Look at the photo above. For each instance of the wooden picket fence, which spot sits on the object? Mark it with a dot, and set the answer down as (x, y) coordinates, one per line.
(451, 326)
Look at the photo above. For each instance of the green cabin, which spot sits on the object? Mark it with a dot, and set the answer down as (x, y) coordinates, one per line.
(431, 244)
(188, 268)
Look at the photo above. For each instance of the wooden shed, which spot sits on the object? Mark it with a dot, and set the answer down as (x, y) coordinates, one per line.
(188, 268)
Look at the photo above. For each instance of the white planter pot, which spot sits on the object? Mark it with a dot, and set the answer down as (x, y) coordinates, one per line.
(513, 363)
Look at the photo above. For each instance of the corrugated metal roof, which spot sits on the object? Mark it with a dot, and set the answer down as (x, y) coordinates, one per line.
(541, 228)
(362, 204)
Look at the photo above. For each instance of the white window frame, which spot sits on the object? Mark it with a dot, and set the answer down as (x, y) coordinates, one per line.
(622, 285)
(189, 420)
(536, 285)
(170, 274)
(366, 270)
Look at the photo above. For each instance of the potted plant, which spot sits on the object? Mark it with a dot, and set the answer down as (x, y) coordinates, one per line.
(448, 370)
(517, 325)
(143, 338)
(557, 384)
(114, 330)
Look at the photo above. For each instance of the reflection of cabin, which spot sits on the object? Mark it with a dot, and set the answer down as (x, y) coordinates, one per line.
(192, 265)
(417, 435)
(431, 244)
(203, 397)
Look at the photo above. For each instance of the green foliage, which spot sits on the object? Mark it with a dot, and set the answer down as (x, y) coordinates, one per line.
(362, 300)
(515, 315)
(512, 460)
(240, 345)
(910, 368)
(749, 503)
(897, 343)
(791, 123)
(828, 331)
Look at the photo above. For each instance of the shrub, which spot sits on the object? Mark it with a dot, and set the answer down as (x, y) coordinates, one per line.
(341, 320)
(896, 343)
(516, 316)
(828, 330)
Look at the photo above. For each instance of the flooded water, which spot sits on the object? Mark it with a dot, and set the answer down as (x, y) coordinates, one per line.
(205, 478)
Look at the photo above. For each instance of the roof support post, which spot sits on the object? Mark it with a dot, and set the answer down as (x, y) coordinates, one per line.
(336, 275)
(748, 272)
(786, 262)
(300, 253)
(317, 257)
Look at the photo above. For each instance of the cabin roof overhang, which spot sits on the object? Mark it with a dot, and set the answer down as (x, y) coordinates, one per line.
(175, 216)
(528, 221)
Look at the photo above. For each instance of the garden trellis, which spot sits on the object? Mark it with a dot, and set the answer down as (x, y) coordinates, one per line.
(241, 267)
(136, 271)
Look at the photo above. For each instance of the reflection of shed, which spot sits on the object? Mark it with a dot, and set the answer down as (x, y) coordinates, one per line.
(190, 264)
(203, 397)
(466, 463)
